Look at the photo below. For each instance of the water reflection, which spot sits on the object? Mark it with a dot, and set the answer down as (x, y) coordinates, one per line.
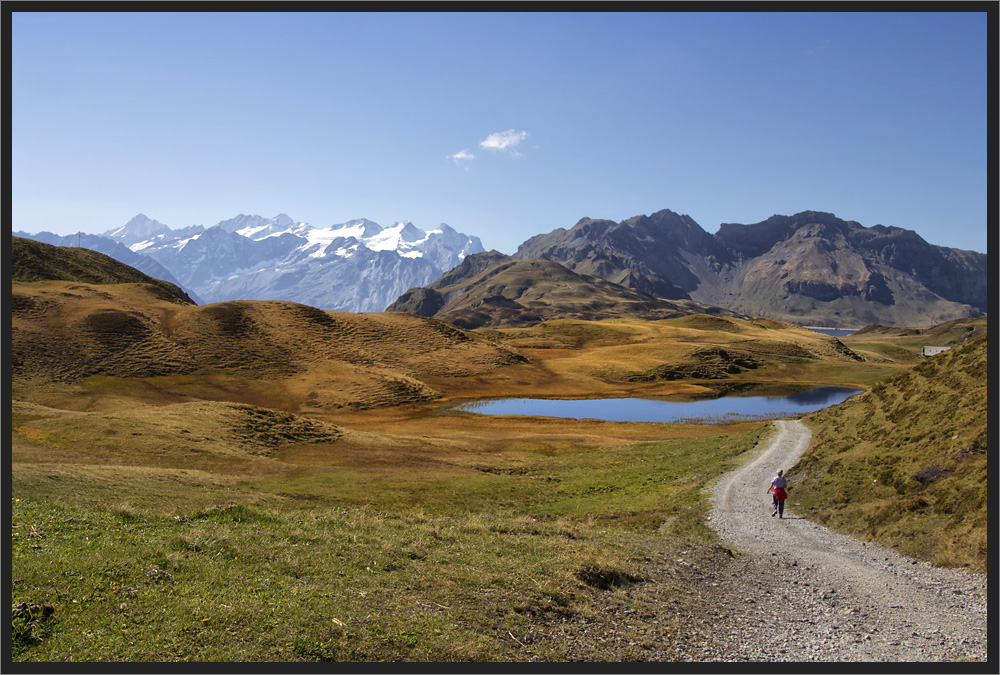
(724, 409)
(835, 332)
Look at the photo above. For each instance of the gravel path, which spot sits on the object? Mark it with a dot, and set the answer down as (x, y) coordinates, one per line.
(796, 591)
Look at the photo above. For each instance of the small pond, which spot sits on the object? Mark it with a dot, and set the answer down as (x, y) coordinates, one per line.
(835, 332)
(724, 409)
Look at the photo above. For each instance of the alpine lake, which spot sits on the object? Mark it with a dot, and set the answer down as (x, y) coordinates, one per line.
(723, 409)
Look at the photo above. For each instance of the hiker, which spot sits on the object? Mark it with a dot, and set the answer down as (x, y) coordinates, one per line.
(778, 488)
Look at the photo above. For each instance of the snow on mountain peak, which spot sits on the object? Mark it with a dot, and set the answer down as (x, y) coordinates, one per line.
(411, 233)
(361, 228)
(402, 237)
(139, 228)
(255, 257)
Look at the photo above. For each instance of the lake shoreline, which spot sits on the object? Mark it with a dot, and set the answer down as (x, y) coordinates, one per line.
(662, 410)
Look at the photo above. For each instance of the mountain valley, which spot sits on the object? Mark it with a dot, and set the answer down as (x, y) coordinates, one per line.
(264, 480)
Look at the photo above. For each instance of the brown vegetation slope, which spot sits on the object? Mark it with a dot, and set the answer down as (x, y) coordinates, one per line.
(65, 331)
(945, 334)
(906, 464)
(695, 354)
(36, 261)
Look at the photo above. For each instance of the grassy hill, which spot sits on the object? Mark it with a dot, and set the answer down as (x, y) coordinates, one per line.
(945, 334)
(271, 353)
(526, 292)
(906, 464)
(696, 354)
(37, 261)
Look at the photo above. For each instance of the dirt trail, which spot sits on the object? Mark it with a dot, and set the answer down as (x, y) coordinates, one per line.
(796, 591)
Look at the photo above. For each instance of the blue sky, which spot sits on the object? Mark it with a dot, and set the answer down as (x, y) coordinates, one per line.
(501, 125)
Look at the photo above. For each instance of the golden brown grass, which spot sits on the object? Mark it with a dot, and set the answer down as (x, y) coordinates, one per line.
(268, 353)
(252, 451)
(685, 355)
(78, 345)
(906, 464)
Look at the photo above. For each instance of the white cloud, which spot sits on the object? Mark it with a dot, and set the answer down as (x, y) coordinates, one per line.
(462, 155)
(504, 141)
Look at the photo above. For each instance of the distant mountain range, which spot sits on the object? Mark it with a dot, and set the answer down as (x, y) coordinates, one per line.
(358, 266)
(811, 268)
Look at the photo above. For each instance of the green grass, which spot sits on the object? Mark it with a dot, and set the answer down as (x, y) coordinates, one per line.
(633, 484)
(356, 570)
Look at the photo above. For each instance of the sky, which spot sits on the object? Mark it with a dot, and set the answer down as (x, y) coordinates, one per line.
(502, 125)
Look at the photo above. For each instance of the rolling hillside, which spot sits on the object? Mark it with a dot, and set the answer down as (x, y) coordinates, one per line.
(906, 464)
(493, 290)
(947, 334)
(37, 261)
(76, 320)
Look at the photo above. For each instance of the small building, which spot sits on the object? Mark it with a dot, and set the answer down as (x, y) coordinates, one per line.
(931, 351)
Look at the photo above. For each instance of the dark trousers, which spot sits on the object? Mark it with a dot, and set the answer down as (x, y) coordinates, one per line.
(779, 506)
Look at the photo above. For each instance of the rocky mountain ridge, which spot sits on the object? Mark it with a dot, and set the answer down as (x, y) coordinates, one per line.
(811, 268)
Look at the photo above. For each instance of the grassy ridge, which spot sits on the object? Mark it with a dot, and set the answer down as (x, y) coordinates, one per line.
(906, 464)
(36, 261)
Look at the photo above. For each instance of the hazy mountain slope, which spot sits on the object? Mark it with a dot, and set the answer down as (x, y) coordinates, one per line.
(140, 228)
(659, 254)
(356, 266)
(811, 268)
(820, 277)
(906, 464)
(493, 290)
(367, 281)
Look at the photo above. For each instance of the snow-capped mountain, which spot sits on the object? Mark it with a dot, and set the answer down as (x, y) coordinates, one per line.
(140, 228)
(357, 266)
